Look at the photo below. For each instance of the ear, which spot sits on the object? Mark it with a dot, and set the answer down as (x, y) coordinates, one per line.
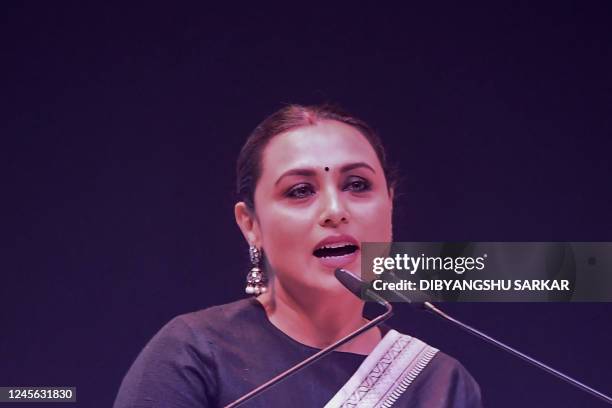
(248, 224)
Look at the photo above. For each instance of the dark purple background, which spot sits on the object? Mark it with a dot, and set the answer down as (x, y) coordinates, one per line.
(121, 126)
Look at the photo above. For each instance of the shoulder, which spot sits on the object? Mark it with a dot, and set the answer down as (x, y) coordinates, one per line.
(210, 320)
(201, 327)
(179, 361)
(447, 378)
(196, 337)
(443, 364)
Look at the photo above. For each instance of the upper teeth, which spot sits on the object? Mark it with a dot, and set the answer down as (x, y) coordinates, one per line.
(338, 245)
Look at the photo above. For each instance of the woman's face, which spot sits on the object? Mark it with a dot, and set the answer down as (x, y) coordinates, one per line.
(322, 192)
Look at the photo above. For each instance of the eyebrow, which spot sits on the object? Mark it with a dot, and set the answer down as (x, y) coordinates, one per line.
(310, 172)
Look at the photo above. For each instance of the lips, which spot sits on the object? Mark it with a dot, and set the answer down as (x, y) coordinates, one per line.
(337, 251)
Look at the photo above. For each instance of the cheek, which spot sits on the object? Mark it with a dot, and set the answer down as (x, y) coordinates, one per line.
(376, 218)
(283, 232)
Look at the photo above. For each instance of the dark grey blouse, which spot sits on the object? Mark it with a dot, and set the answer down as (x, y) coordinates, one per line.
(211, 357)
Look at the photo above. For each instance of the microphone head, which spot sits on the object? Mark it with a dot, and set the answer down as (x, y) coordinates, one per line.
(361, 289)
(350, 281)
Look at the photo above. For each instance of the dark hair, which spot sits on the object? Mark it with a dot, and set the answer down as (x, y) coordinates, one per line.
(248, 169)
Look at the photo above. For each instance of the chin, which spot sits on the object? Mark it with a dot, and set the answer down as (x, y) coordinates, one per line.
(321, 278)
(328, 283)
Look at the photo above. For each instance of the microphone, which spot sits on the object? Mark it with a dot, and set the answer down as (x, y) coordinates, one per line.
(360, 288)
(433, 309)
(356, 286)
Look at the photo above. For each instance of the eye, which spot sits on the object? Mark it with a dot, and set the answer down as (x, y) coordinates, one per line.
(300, 191)
(357, 184)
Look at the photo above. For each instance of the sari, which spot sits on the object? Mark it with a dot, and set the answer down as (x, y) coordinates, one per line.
(385, 374)
(211, 357)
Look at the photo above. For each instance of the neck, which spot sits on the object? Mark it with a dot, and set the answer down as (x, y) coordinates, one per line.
(318, 318)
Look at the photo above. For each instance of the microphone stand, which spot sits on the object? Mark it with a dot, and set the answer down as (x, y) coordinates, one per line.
(428, 306)
(380, 319)
(433, 309)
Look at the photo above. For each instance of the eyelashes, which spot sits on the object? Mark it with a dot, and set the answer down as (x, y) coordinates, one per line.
(300, 191)
(353, 183)
(358, 184)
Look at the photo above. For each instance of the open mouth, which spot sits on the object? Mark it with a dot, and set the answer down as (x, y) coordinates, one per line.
(335, 250)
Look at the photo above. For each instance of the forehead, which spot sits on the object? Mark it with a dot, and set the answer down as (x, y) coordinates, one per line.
(327, 143)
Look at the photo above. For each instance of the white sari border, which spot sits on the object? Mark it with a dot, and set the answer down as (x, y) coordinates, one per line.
(385, 374)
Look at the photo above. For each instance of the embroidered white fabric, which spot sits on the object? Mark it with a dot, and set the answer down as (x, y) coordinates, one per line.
(385, 374)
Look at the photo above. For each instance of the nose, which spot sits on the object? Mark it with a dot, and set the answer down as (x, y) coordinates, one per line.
(333, 209)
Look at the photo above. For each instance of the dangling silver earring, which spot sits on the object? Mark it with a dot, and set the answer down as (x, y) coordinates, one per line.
(256, 280)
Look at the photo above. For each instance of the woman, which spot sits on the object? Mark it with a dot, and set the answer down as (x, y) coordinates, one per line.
(313, 184)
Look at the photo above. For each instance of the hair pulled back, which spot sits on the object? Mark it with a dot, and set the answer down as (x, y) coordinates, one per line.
(248, 168)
